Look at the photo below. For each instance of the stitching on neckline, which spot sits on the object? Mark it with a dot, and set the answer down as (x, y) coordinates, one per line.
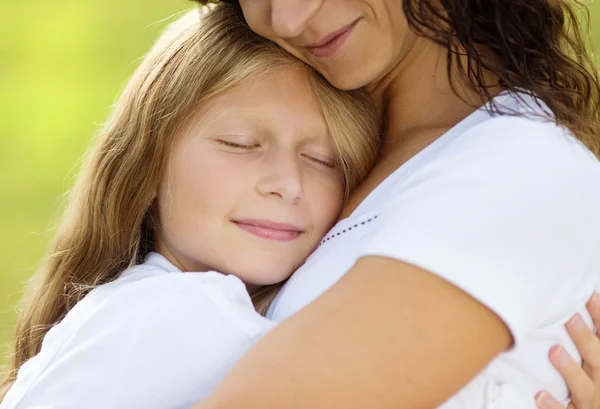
(346, 230)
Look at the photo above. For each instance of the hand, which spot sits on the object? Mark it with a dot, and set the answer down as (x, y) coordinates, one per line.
(583, 381)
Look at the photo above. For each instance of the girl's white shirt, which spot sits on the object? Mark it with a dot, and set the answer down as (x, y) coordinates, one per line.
(155, 338)
(507, 208)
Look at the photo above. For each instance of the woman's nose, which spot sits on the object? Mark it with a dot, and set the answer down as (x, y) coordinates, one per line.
(289, 18)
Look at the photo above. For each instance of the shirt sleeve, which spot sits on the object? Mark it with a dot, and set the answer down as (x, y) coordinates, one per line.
(161, 343)
(509, 214)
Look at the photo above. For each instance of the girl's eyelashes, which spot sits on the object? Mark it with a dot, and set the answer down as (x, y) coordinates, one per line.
(322, 161)
(235, 145)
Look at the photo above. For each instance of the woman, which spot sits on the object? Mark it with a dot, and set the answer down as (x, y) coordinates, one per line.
(457, 258)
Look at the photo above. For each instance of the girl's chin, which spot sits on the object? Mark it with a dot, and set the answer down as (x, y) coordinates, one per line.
(260, 279)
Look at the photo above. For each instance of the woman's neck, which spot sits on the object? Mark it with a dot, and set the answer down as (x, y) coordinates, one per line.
(416, 100)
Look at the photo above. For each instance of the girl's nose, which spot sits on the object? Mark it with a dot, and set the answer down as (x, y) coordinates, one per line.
(282, 179)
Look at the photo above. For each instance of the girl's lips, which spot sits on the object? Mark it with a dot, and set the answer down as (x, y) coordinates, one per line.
(331, 43)
(270, 230)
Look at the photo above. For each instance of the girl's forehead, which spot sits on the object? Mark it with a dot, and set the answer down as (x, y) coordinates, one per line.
(280, 100)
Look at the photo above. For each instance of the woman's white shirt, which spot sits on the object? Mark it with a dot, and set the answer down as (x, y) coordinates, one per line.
(155, 338)
(504, 207)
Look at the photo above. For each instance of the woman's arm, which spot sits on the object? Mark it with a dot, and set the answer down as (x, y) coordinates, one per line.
(484, 216)
(388, 335)
(583, 382)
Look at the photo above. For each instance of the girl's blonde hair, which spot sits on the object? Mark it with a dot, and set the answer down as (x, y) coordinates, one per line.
(107, 226)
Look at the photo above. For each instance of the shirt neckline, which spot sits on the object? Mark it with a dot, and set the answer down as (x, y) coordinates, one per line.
(474, 118)
(159, 261)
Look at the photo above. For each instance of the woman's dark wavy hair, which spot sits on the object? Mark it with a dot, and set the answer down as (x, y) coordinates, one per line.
(537, 47)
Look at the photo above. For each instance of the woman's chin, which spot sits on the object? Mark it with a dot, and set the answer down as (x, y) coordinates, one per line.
(349, 77)
(346, 80)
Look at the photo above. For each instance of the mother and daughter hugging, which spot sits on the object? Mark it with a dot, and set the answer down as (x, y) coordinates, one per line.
(332, 204)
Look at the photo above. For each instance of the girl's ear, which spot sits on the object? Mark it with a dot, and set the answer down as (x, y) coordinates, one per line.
(153, 213)
(155, 194)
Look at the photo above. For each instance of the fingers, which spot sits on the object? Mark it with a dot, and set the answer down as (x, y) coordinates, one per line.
(588, 345)
(579, 382)
(593, 307)
(583, 382)
(544, 400)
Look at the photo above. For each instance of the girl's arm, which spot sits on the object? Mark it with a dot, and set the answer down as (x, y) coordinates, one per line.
(388, 335)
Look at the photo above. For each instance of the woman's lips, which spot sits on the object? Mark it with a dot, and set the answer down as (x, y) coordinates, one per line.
(332, 43)
(267, 229)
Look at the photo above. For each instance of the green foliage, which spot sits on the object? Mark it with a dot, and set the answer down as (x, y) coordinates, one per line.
(63, 64)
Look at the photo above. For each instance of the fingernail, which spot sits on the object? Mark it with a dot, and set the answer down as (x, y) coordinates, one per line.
(544, 400)
(576, 323)
(595, 299)
(562, 358)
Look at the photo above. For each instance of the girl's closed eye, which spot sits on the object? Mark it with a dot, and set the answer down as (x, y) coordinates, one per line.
(322, 160)
(318, 158)
(238, 145)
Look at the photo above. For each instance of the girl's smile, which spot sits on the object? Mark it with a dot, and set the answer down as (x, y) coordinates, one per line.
(270, 230)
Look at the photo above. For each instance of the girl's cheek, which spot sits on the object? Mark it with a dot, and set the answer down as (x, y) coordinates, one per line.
(328, 199)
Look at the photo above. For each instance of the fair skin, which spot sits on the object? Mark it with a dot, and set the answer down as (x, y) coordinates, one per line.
(352, 365)
(253, 172)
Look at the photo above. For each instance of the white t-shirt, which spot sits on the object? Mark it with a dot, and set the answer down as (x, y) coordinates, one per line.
(504, 207)
(155, 338)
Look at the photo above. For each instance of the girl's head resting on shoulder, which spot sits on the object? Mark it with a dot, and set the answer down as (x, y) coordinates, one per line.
(223, 152)
(254, 152)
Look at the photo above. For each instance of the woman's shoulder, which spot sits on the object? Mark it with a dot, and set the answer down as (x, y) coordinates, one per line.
(526, 135)
(519, 149)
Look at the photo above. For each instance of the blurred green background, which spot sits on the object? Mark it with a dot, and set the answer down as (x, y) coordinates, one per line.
(62, 66)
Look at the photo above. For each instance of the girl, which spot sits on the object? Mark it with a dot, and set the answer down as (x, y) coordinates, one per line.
(224, 153)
